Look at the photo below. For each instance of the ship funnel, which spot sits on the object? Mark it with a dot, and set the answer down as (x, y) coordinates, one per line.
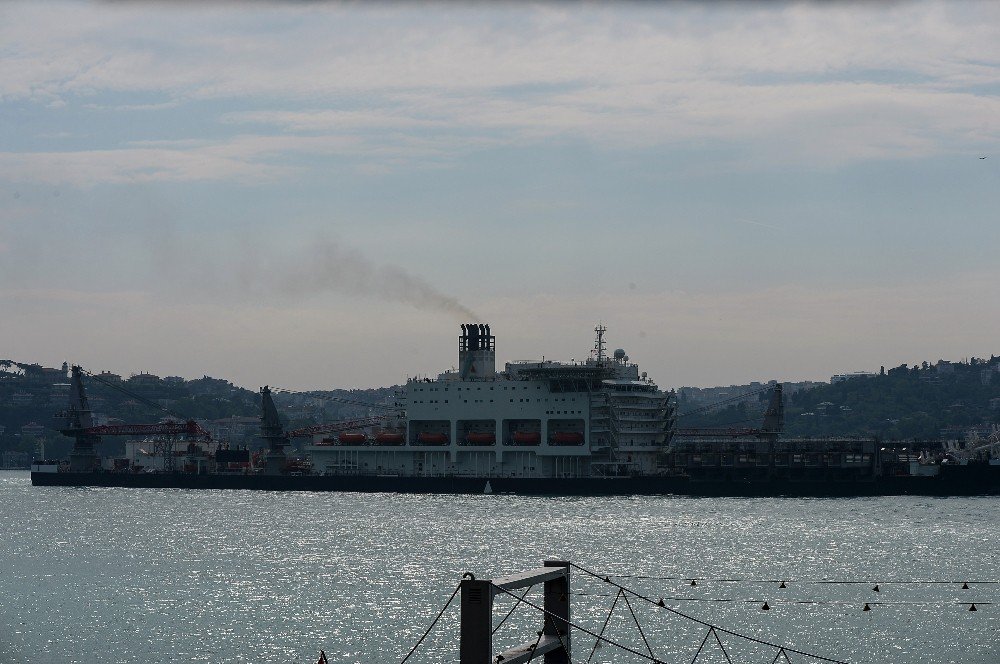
(476, 352)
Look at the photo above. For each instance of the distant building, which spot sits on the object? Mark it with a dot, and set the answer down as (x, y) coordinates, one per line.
(839, 378)
(986, 376)
(109, 377)
(15, 460)
(173, 380)
(22, 399)
(32, 430)
(59, 394)
(995, 403)
(144, 379)
(944, 367)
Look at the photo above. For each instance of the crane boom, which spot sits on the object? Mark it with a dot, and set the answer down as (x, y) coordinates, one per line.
(189, 428)
(336, 427)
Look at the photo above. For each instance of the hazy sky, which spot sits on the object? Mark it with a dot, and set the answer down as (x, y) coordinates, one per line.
(316, 195)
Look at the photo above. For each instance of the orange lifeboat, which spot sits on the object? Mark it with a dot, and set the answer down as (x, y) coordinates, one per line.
(388, 438)
(428, 438)
(352, 438)
(480, 438)
(527, 438)
(567, 438)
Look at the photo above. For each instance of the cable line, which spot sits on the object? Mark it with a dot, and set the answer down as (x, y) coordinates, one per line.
(792, 580)
(660, 604)
(580, 627)
(138, 397)
(433, 623)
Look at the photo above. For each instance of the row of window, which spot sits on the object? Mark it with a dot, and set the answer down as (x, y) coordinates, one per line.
(491, 400)
(459, 389)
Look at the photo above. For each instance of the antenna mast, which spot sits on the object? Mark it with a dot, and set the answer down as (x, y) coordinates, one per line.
(599, 343)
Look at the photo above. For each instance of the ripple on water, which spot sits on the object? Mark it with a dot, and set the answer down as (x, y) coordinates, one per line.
(121, 575)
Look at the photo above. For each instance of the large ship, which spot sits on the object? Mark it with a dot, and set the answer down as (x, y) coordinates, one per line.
(593, 427)
(536, 419)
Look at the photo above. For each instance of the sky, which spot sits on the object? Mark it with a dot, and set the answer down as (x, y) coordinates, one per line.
(316, 195)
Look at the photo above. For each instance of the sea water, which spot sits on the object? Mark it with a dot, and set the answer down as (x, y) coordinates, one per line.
(138, 575)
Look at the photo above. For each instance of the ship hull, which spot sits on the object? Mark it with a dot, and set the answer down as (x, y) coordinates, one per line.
(957, 481)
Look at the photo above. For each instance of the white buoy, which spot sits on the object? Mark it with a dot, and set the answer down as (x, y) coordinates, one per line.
(488, 489)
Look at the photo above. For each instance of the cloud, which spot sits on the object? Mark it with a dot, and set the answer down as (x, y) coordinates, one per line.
(814, 84)
(247, 159)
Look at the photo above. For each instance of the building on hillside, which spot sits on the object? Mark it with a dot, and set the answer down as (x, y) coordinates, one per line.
(32, 430)
(109, 377)
(59, 394)
(15, 460)
(22, 399)
(839, 378)
(144, 379)
(944, 367)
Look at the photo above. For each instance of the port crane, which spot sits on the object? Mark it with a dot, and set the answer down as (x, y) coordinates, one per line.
(773, 424)
(78, 424)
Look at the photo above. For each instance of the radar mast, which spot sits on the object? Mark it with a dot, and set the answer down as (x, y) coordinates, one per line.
(599, 343)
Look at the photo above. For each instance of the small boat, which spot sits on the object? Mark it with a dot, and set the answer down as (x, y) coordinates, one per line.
(352, 438)
(480, 438)
(527, 438)
(428, 438)
(567, 438)
(389, 438)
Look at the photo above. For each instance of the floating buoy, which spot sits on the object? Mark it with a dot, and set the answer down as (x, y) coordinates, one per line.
(965, 586)
(693, 582)
(607, 579)
(488, 489)
(660, 603)
(765, 607)
(973, 608)
(782, 585)
(867, 608)
(875, 588)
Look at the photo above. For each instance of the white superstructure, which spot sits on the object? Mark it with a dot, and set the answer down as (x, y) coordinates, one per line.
(600, 417)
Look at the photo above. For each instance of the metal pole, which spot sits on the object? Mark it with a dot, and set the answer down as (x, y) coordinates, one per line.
(476, 640)
(557, 604)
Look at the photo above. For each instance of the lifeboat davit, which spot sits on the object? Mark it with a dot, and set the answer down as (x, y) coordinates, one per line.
(480, 438)
(387, 438)
(527, 438)
(567, 438)
(427, 438)
(352, 438)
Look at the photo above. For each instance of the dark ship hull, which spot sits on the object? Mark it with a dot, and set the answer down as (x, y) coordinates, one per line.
(971, 480)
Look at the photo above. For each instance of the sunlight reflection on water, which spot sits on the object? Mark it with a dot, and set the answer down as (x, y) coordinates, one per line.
(124, 575)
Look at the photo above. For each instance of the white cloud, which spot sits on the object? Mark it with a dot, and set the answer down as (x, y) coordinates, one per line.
(246, 159)
(803, 83)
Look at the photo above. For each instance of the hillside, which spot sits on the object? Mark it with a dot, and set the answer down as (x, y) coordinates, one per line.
(32, 395)
(943, 400)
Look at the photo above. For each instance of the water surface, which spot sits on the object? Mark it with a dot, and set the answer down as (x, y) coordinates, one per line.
(133, 575)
